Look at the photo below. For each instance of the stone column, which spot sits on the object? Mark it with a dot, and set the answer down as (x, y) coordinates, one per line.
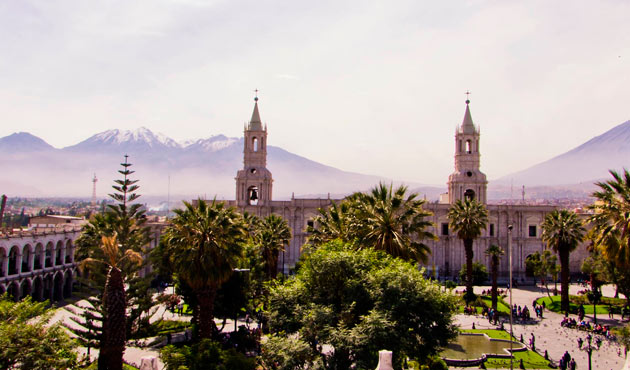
(18, 263)
(384, 360)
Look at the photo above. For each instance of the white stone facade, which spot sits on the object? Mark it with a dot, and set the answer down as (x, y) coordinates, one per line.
(447, 253)
(38, 263)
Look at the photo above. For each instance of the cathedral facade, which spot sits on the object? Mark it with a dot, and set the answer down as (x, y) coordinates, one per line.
(254, 185)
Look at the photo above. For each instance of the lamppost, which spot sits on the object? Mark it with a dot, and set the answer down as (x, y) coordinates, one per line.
(510, 227)
(589, 347)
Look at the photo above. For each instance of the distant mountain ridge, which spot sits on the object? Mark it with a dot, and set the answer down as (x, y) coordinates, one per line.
(201, 167)
(586, 163)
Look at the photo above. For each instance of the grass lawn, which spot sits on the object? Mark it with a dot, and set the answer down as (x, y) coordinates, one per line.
(492, 333)
(531, 359)
(553, 304)
(487, 300)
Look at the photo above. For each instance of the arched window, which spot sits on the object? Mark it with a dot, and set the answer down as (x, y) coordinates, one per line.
(469, 194)
(468, 147)
(252, 195)
(255, 144)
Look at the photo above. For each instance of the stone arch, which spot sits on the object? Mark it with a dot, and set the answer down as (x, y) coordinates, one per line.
(69, 251)
(38, 289)
(27, 258)
(58, 287)
(14, 254)
(3, 262)
(59, 253)
(255, 144)
(49, 254)
(67, 286)
(48, 287)
(14, 290)
(25, 288)
(468, 146)
(38, 257)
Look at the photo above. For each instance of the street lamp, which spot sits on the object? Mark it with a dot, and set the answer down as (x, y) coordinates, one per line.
(510, 227)
(589, 347)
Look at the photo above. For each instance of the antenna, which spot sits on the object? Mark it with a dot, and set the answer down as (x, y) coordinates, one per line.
(168, 198)
(94, 181)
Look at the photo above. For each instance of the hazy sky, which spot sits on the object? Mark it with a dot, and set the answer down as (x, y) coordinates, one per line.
(369, 86)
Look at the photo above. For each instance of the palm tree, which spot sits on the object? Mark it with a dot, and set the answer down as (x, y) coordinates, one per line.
(562, 230)
(468, 218)
(389, 220)
(205, 242)
(494, 252)
(271, 237)
(332, 223)
(114, 301)
(611, 218)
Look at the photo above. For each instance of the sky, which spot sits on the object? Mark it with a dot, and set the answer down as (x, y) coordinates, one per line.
(375, 87)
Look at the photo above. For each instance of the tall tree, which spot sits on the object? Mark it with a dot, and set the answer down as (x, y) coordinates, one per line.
(125, 221)
(112, 345)
(468, 218)
(204, 244)
(332, 223)
(611, 225)
(389, 220)
(494, 252)
(272, 235)
(562, 230)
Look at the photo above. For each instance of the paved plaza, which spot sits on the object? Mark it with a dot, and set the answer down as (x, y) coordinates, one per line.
(550, 335)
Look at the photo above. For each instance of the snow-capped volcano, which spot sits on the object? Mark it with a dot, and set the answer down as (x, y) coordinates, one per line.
(211, 144)
(141, 138)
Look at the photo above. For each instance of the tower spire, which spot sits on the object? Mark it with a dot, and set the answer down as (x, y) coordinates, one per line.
(468, 127)
(255, 123)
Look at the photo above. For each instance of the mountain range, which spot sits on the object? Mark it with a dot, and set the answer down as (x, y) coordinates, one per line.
(586, 163)
(203, 167)
(206, 168)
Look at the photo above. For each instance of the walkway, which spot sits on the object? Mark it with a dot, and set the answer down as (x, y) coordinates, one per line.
(551, 336)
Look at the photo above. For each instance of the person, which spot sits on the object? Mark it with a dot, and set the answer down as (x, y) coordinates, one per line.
(610, 311)
(572, 364)
(580, 342)
(533, 342)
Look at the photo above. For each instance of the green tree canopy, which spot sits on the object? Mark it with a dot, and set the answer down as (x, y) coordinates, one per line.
(204, 243)
(384, 218)
(28, 341)
(359, 302)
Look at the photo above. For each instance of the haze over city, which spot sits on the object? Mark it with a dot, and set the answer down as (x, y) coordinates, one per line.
(369, 87)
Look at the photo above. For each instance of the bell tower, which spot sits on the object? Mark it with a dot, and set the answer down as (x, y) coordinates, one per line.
(467, 181)
(254, 181)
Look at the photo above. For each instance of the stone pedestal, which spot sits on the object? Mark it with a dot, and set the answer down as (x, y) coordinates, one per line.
(148, 363)
(384, 360)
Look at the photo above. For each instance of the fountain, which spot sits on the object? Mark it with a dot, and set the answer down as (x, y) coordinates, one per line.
(470, 349)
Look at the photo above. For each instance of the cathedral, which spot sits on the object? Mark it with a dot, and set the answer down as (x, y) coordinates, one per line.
(254, 184)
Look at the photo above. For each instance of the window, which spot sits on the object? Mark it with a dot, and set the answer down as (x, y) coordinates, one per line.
(532, 231)
(444, 228)
(468, 147)
(491, 230)
(310, 223)
(255, 144)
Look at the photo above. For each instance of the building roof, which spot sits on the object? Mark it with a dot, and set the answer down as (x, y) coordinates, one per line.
(255, 123)
(467, 124)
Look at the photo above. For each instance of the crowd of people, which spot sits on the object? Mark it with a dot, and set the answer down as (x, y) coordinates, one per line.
(603, 330)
